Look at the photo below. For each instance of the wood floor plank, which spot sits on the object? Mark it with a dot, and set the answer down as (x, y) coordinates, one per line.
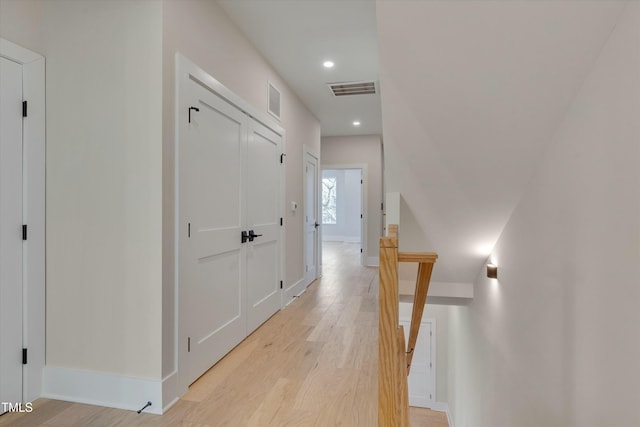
(43, 410)
(274, 407)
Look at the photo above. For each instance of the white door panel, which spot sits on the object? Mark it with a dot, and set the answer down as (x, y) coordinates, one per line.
(225, 240)
(11, 273)
(264, 176)
(211, 187)
(263, 217)
(215, 159)
(264, 289)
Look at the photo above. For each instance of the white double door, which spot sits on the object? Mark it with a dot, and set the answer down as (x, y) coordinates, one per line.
(11, 243)
(229, 227)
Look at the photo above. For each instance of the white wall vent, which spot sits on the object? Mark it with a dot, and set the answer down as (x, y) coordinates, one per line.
(274, 101)
(352, 88)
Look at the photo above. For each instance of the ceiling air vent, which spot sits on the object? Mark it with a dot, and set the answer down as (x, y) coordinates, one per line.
(274, 100)
(352, 88)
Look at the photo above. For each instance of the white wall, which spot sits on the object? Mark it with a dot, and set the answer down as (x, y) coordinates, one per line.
(21, 23)
(367, 149)
(201, 31)
(104, 193)
(553, 341)
(348, 206)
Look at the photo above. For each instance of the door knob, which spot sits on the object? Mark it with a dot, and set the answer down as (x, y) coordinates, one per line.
(317, 225)
(252, 235)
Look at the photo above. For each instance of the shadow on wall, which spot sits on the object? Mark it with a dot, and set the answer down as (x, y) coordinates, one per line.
(412, 239)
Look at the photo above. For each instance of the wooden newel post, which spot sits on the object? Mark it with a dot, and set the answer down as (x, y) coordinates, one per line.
(388, 374)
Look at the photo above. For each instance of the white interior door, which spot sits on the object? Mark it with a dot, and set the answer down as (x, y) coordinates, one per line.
(263, 221)
(311, 220)
(212, 208)
(11, 260)
(422, 379)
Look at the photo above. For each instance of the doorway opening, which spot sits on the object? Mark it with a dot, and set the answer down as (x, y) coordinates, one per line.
(342, 214)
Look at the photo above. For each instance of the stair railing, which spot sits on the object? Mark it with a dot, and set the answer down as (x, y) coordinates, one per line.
(394, 358)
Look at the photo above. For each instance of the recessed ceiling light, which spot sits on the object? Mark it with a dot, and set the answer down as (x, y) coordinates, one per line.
(328, 64)
(356, 123)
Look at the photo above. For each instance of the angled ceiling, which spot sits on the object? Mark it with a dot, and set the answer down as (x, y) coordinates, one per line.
(472, 93)
(296, 37)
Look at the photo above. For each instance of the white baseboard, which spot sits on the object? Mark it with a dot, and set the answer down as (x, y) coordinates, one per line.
(170, 392)
(440, 407)
(297, 296)
(103, 389)
(373, 261)
(293, 291)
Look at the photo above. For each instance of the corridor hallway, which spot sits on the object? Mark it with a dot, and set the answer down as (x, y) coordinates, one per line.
(314, 363)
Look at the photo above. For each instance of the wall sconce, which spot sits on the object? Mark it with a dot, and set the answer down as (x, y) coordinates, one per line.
(492, 271)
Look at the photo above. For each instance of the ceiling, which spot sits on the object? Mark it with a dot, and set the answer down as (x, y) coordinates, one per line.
(473, 92)
(296, 37)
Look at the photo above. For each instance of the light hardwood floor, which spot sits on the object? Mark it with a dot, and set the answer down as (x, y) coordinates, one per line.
(312, 364)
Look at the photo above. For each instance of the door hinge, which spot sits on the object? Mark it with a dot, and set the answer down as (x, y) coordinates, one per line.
(281, 285)
(306, 268)
(430, 365)
(24, 231)
(360, 250)
(361, 182)
(361, 216)
(281, 222)
(24, 356)
(24, 108)
(381, 206)
(282, 157)
(189, 345)
(189, 230)
(196, 109)
(430, 396)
